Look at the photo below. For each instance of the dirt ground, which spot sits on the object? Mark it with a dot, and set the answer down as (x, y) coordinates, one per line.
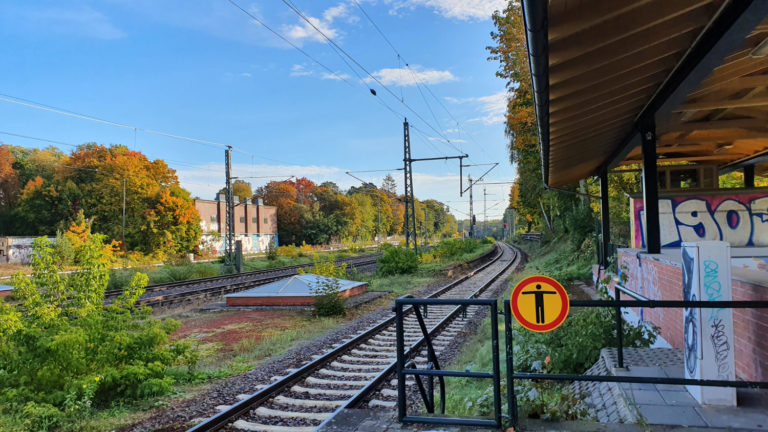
(224, 330)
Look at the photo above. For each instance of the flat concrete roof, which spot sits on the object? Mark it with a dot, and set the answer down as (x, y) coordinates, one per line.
(295, 286)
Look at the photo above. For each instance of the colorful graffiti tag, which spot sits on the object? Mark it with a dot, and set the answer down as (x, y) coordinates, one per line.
(739, 219)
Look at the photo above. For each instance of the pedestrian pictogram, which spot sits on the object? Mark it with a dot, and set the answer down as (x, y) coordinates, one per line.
(539, 303)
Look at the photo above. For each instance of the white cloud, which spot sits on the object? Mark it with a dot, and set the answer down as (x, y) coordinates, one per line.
(467, 10)
(82, 21)
(304, 31)
(300, 70)
(245, 74)
(405, 77)
(493, 107)
(337, 76)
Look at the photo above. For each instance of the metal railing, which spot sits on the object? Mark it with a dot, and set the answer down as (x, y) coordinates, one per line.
(617, 304)
(406, 365)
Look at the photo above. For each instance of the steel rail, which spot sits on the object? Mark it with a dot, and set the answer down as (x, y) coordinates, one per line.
(163, 286)
(223, 418)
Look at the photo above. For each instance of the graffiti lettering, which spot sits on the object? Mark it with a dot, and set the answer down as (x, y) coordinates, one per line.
(690, 325)
(722, 349)
(741, 220)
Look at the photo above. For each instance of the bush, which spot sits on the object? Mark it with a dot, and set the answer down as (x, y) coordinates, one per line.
(575, 345)
(489, 240)
(455, 247)
(305, 249)
(272, 251)
(397, 261)
(64, 353)
(328, 302)
(290, 251)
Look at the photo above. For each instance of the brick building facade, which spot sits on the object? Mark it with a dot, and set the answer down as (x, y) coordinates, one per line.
(255, 224)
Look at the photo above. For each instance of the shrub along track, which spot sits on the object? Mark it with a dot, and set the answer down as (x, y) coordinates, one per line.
(356, 372)
(174, 294)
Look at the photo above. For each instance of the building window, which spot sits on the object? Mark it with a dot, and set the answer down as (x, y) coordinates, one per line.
(266, 221)
(242, 219)
(213, 218)
(254, 220)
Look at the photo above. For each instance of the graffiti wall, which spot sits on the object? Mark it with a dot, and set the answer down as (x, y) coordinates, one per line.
(739, 219)
(17, 250)
(708, 333)
(252, 243)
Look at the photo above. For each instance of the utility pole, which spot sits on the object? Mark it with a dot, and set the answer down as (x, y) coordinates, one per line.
(378, 207)
(410, 211)
(471, 213)
(485, 213)
(124, 248)
(424, 240)
(229, 236)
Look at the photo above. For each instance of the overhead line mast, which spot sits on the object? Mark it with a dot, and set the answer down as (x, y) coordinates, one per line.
(409, 223)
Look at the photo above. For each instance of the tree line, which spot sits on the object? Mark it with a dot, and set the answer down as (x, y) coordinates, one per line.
(42, 191)
(323, 213)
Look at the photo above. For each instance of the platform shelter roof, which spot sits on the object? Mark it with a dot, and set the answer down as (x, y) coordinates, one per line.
(698, 69)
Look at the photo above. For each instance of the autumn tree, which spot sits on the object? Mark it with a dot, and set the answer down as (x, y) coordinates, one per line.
(389, 184)
(92, 180)
(9, 178)
(241, 189)
(521, 128)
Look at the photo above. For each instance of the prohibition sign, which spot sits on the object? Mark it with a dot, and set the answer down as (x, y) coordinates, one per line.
(539, 303)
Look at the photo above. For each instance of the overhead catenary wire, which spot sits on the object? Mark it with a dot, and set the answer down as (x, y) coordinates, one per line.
(65, 112)
(350, 57)
(416, 78)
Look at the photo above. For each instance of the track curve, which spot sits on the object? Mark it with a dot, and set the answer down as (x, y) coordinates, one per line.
(358, 371)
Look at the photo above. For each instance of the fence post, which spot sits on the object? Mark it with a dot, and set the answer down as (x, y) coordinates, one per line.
(511, 399)
(496, 368)
(619, 328)
(400, 361)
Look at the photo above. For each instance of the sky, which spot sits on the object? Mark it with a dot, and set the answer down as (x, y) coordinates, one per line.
(206, 69)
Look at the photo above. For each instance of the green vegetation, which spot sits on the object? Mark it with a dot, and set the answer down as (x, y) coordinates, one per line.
(328, 302)
(322, 214)
(43, 190)
(397, 261)
(63, 354)
(571, 348)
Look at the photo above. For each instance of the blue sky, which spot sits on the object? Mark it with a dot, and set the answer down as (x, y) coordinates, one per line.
(204, 69)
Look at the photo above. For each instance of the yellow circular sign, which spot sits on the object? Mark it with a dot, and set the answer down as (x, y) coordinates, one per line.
(539, 303)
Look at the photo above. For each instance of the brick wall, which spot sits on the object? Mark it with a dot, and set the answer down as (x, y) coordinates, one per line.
(658, 278)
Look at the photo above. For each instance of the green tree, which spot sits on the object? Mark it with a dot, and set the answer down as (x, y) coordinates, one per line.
(63, 352)
(389, 184)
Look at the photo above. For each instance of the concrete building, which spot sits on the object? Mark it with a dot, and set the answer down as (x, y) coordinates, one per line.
(255, 224)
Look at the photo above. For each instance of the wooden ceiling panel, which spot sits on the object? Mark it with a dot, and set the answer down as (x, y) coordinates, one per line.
(627, 46)
(618, 27)
(647, 53)
(591, 96)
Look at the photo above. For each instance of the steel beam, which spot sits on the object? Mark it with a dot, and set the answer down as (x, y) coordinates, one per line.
(647, 131)
(604, 217)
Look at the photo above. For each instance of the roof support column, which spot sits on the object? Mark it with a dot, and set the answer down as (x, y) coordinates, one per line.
(604, 216)
(647, 129)
(749, 176)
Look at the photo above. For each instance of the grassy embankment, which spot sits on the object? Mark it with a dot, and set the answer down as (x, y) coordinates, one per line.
(229, 346)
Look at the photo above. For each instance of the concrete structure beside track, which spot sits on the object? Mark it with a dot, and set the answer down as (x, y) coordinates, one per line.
(299, 290)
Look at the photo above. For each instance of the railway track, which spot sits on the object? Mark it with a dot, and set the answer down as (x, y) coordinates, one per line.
(359, 371)
(194, 290)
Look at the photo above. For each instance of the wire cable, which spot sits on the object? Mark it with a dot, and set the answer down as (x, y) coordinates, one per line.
(340, 49)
